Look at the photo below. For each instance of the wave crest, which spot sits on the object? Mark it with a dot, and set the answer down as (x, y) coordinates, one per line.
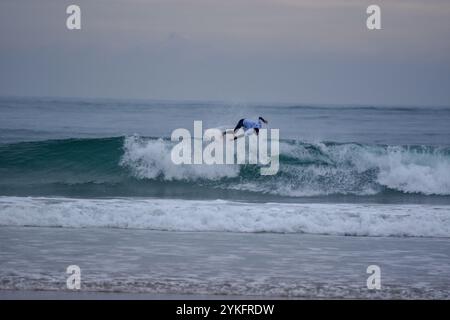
(128, 165)
(151, 159)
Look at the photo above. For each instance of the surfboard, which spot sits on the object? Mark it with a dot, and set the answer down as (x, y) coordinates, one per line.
(231, 134)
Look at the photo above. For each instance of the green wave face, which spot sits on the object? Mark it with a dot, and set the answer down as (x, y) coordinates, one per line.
(65, 161)
(137, 166)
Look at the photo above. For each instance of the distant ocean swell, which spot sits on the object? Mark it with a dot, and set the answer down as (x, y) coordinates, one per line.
(131, 165)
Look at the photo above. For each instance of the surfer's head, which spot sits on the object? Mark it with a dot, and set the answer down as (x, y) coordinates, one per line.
(263, 120)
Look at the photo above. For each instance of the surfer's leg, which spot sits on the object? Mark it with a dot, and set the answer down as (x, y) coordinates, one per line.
(239, 125)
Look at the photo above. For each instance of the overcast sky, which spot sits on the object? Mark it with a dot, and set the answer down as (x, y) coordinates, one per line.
(293, 51)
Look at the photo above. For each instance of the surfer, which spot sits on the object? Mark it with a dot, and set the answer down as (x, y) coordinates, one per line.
(248, 124)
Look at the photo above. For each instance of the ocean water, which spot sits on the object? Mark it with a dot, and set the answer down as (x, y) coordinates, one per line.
(105, 148)
(346, 172)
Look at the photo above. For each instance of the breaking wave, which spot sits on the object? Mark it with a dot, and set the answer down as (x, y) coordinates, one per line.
(133, 165)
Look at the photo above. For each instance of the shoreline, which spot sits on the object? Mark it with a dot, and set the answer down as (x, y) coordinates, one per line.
(98, 295)
(158, 265)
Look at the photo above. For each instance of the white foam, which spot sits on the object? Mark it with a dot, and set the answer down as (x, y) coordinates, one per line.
(328, 169)
(152, 159)
(411, 172)
(228, 216)
(424, 170)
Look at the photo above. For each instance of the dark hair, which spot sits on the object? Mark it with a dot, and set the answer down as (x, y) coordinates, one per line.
(262, 119)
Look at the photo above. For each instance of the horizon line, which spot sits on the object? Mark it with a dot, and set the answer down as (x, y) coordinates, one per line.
(230, 102)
